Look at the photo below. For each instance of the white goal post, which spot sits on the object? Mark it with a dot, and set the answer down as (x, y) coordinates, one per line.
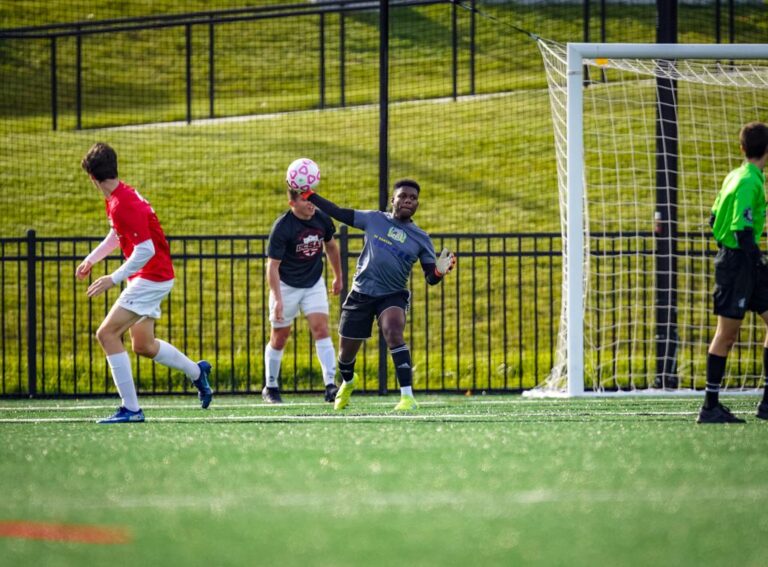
(608, 178)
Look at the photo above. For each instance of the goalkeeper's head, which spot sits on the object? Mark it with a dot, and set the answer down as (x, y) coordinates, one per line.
(753, 139)
(405, 199)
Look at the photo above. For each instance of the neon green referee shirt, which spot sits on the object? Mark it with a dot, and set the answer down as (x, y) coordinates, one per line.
(739, 205)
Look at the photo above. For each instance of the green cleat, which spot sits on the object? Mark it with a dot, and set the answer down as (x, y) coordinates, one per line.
(344, 393)
(406, 403)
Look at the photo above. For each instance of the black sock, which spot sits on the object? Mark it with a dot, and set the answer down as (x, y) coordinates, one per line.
(401, 356)
(765, 371)
(347, 370)
(715, 373)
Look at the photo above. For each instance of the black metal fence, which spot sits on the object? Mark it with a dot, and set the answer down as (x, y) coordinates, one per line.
(718, 23)
(492, 325)
(212, 22)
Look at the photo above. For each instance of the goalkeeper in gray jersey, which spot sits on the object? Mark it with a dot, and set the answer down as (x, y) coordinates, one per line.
(393, 244)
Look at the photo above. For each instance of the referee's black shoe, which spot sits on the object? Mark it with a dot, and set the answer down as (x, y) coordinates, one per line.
(271, 395)
(330, 392)
(762, 410)
(717, 414)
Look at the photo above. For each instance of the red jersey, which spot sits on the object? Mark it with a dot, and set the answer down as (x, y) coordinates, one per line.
(134, 221)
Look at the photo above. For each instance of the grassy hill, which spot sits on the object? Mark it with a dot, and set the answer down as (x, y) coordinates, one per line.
(486, 162)
(470, 155)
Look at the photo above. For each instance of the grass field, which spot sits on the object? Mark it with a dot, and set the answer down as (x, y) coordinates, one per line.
(481, 480)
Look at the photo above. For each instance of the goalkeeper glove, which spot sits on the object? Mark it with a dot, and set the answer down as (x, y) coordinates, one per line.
(445, 263)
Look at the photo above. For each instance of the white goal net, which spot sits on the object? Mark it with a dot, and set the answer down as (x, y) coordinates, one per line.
(644, 135)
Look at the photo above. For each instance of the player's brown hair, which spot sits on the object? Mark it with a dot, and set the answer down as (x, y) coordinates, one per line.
(754, 139)
(293, 195)
(100, 162)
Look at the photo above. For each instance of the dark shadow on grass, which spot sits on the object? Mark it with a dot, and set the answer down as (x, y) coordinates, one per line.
(408, 24)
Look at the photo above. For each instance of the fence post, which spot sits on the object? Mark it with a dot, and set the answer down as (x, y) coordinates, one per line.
(454, 52)
(211, 69)
(383, 152)
(472, 47)
(54, 85)
(342, 58)
(31, 314)
(322, 60)
(79, 80)
(188, 54)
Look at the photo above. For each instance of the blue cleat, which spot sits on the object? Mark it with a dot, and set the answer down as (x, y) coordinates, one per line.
(124, 415)
(204, 391)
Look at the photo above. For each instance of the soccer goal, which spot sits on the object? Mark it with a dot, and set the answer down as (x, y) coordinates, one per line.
(644, 135)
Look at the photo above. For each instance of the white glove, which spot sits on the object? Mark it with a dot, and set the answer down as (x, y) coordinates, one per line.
(445, 262)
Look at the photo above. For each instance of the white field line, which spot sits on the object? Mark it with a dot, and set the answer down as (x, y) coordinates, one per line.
(454, 401)
(352, 503)
(461, 417)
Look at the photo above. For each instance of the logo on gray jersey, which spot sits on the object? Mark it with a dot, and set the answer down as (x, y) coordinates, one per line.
(396, 234)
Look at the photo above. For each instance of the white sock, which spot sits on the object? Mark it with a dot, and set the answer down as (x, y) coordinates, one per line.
(120, 365)
(406, 391)
(272, 360)
(327, 357)
(169, 355)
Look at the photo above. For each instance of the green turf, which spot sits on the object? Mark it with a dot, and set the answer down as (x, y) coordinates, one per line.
(465, 481)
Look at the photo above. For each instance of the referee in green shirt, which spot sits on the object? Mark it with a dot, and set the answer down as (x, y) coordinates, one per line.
(741, 278)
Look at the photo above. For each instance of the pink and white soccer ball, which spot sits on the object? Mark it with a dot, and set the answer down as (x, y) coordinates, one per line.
(302, 175)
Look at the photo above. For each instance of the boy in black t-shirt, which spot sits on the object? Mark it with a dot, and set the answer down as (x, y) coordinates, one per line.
(295, 277)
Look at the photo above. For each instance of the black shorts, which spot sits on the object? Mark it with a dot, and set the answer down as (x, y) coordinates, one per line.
(359, 309)
(740, 286)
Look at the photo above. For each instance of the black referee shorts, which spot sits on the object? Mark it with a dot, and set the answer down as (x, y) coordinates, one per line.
(359, 309)
(740, 286)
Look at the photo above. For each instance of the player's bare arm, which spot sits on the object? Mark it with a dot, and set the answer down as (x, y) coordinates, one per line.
(104, 249)
(334, 257)
(142, 253)
(273, 280)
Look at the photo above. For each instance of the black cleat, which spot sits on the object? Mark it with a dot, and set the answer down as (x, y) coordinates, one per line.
(271, 395)
(330, 392)
(762, 410)
(718, 414)
(204, 393)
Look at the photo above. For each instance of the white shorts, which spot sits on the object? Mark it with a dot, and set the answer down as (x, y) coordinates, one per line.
(144, 297)
(310, 299)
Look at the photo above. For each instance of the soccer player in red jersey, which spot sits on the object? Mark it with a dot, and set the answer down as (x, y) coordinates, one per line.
(149, 271)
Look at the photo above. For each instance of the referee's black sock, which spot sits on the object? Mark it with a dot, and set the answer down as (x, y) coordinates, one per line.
(715, 373)
(765, 378)
(347, 370)
(401, 356)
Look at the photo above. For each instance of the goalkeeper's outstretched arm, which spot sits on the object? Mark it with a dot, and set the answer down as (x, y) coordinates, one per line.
(347, 216)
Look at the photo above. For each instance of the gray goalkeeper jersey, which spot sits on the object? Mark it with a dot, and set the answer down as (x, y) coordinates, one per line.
(391, 249)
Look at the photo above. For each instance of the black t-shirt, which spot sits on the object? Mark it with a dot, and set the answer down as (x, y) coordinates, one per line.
(298, 244)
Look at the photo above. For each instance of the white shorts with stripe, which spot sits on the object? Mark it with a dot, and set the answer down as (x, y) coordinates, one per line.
(309, 299)
(144, 297)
